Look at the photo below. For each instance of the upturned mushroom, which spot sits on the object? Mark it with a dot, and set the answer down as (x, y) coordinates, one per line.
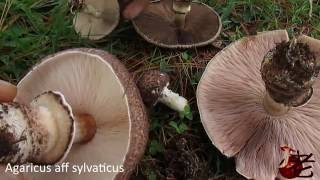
(154, 88)
(260, 93)
(178, 24)
(97, 18)
(91, 115)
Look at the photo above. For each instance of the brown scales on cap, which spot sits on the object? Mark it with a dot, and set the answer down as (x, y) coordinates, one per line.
(289, 72)
(151, 85)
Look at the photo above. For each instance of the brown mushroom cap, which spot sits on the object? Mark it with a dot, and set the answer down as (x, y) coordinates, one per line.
(95, 83)
(230, 99)
(7, 91)
(97, 18)
(151, 85)
(132, 8)
(156, 24)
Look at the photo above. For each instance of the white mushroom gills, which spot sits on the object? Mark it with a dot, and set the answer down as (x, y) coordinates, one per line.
(173, 100)
(43, 131)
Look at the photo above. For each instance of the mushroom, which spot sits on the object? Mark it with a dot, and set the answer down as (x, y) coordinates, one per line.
(259, 94)
(7, 91)
(154, 88)
(178, 24)
(96, 18)
(110, 124)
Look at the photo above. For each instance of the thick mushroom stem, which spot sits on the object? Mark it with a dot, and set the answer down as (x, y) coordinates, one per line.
(27, 134)
(30, 135)
(274, 108)
(86, 128)
(41, 132)
(181, 9)
(289, 72)
(173, 100)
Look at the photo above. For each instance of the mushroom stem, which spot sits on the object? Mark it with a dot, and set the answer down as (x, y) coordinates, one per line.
(86, 128)
(173, 100)
(274, 108)
(181, 9)
(40, 132)
(289, 71)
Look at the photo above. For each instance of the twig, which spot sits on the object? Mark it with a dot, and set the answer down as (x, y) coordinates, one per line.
(310, 10)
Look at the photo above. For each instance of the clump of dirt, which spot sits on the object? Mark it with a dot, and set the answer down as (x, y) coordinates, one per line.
(289, 72)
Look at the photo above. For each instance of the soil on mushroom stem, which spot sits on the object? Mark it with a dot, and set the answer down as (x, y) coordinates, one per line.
(289, 71)
(7, 143)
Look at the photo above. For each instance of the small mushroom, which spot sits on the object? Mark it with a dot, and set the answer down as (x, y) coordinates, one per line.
(96, 18)
(96, 93)
(154, 88)
(178, 24)
(7, 91)
(260, 93)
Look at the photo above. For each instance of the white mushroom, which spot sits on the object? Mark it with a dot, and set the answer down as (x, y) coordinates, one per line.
(97, 18)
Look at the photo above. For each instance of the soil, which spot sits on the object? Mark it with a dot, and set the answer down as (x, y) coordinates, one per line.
(289, 72)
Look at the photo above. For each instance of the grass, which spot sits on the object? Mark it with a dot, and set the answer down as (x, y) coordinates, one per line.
(33, 29)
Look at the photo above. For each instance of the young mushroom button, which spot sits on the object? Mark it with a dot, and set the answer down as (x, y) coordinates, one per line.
(97, 118)
(260, 93)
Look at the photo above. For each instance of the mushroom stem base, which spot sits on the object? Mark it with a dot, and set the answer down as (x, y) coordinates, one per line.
(274, 108)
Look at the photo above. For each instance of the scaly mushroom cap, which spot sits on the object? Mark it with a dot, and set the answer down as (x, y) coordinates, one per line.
(97, 18)
(95, 83)
(151, 86)
(230, 99)
(156, 24)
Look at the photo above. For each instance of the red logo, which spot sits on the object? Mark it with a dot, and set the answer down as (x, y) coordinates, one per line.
(292, 164)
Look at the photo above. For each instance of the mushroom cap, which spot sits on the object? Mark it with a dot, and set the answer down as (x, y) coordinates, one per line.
(93, 27)
(95, 83)
(151, 85)
(7, 91)
(132, 8)
(230, 99)
(156, 24)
